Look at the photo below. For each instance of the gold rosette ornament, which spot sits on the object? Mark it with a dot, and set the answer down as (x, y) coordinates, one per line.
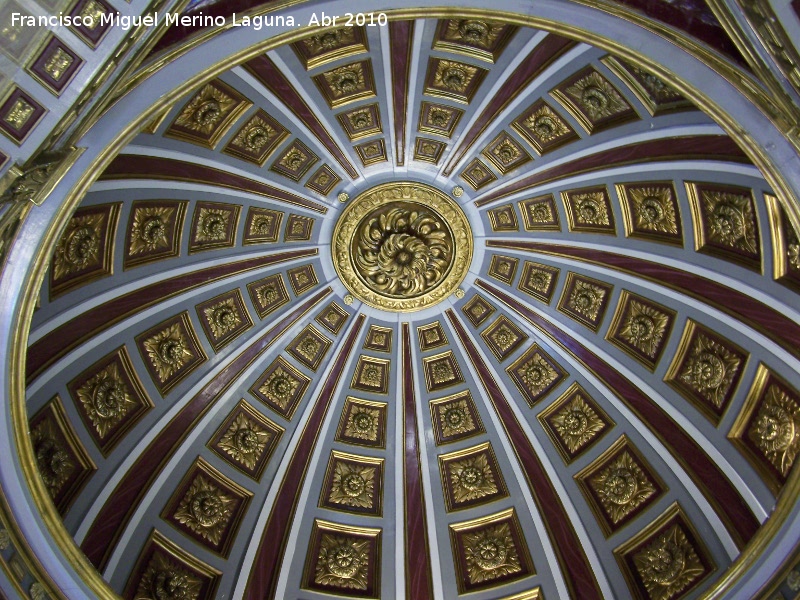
(402, 246)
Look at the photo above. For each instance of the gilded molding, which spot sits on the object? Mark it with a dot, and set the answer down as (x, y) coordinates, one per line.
(455, 417)
(281, 387)
(767, 429)
(641, 328)
(574, 422)
(246, 440)
(363, 423)
(665, 560)
(619, 485)
(343, 559)
(471, 477)
(353, 483)
(706, 370)
(535, 374)
(418, 250)
(489, 551)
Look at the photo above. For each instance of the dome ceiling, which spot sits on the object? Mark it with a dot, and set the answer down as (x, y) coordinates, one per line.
(561, 360)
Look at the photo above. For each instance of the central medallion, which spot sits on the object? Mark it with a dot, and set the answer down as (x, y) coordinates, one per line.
(402, 246)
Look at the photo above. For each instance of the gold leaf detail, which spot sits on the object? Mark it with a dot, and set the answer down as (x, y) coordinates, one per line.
(668, 565)
(622, 487)
(205, 509)
(222, 317)
(597, 97)
(212, 225)
(577, 424)
(471, 478)
(280, 387)
(206, 110)
(150, 229)
(353, 485)
(710, 369)
(52, 458)
(168, 352)
(454, 76)
(491, 554)
(776, 429)
(644, 328)
(166, 579)
(456, 418)
(244, 441)
(653, 209)
(731, 221)
(79, 247)
(106, 399)
(342, 562)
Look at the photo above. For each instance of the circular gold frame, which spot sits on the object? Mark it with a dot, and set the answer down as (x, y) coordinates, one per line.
(404, 192)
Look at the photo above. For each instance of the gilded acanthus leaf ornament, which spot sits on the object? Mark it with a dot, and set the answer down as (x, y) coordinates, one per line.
(491, 553)
(653, 209)
(150, 229)
(164, 579)
(710, 369)
(222, 317)
(577, 424)
(244, 441)
(106, 399)
(342, 562)
(352, 485)
(471, 478)
(456, 418)
(546, 125)
(52, 458)
(587, 299)
(363, 423)
(79, 247)
(730, 220)
(168, 351)
(402, 246)
(644, 328)
(205, 509)
(668, 565)
(776, 429)
(212, 225)
(537, 374)
(596, 97)
(206, 110)
(454, 76)
(280, 387)
(622, 487)
(330, 40)
(403, 252)
(346, 80)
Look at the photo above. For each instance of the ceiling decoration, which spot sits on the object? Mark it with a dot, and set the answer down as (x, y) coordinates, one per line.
(278, 355)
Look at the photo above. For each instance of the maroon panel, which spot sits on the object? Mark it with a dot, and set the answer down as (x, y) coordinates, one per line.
(401, 34)
(265, 570)
(67, 336)
(270, 76)
(693, 17)
(541, 57)
(127, 166)
(701, 147)
(120, 506)
(418, 567)
(744, 307)
(796, 7)
(740, 521)
(578, 573)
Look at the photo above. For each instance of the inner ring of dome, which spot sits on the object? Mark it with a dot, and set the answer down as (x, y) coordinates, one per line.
(402, 247)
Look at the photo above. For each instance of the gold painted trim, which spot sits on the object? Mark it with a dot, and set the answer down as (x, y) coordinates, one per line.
(421, 329)
(780, 245)
(381, 407)
(534, 594)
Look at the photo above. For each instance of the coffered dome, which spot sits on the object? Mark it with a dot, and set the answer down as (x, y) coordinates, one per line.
(472, 302)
